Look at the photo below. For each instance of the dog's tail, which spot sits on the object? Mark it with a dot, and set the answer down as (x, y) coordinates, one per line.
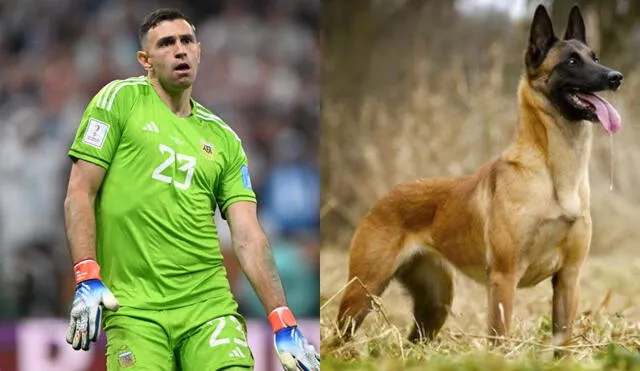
(374, 249)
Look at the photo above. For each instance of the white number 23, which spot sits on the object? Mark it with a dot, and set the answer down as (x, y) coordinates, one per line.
(220, 324)
(186, 162)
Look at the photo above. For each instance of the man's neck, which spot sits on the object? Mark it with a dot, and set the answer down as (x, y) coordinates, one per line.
(179, 102)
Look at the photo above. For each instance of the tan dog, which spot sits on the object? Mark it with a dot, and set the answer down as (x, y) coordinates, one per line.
(517, 221)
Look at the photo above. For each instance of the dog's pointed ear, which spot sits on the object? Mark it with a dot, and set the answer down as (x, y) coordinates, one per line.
(575, 27)
(541, 38)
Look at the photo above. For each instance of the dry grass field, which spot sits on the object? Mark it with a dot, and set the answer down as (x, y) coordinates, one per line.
(609, 314)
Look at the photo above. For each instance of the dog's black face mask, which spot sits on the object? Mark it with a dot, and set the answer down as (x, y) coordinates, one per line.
(571, 71)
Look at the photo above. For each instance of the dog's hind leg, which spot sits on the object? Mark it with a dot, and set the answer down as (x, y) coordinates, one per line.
(429, 280)
(373, 254)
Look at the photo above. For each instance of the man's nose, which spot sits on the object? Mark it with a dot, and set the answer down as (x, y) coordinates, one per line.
(180, 49)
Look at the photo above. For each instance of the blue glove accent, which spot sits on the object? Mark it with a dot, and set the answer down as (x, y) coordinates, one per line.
(294, 351)
(86, 313)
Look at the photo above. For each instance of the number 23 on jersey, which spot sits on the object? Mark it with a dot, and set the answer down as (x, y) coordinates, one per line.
(186, 164)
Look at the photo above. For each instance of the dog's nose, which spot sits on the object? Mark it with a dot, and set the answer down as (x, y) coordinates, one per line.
(615, 79)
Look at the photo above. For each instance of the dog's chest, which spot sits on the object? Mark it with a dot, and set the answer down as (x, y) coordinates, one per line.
(543, 256)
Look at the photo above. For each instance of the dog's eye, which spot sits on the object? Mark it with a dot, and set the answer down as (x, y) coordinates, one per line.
(572, 61)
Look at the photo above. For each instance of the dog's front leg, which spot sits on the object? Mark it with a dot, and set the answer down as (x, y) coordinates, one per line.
(501, 291)
(565, 303)
(566, 282)
(502, 276)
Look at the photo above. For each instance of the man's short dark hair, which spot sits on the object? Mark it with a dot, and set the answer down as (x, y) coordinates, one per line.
(157, 16)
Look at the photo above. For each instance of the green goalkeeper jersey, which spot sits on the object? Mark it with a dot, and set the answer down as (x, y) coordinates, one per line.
(156, 240)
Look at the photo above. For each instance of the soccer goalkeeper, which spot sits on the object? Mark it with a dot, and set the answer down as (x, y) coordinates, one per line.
(150, 165)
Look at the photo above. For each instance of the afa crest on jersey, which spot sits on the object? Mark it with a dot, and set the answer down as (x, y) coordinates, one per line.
(126, 357)
(208, 149)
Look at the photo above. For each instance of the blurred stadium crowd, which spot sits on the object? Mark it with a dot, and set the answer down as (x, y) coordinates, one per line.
(259, 72)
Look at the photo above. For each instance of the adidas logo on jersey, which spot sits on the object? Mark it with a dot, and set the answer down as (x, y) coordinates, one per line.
(236, 353)
(151, 127)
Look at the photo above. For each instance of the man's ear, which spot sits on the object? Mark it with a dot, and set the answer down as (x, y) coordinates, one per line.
(143, 59)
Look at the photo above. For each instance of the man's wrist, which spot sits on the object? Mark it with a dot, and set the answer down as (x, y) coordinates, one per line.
(86, 269)
(280, 318)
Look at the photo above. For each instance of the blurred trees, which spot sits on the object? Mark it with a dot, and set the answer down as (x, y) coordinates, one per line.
(355, 32)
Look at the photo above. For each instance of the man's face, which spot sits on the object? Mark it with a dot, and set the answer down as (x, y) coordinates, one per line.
(172, 54)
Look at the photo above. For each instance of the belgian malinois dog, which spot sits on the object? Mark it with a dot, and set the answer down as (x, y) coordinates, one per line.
(520, 219)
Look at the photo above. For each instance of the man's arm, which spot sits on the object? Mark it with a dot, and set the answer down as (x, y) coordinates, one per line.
(80, 220)
(79, 209)
(254, 254)
(256, 259)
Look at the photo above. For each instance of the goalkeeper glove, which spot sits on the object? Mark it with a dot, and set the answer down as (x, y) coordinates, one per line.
(86, 311)
(293, 349)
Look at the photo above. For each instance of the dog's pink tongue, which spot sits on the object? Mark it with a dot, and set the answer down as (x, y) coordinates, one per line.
(607, 114)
